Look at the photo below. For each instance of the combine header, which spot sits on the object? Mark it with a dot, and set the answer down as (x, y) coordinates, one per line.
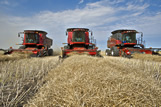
(124, 43)
(80, 41)
(35, 42)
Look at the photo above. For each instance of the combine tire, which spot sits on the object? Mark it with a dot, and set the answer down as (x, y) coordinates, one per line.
(22, 47)
(114, 51)
(107, 52)
(50, 52)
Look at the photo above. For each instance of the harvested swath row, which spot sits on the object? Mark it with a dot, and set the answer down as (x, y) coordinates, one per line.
(147, 57)
(14, 56)
(89, 81)
(20, 79)
(103, 53)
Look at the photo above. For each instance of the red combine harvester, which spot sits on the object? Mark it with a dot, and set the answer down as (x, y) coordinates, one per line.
(124, 43)
(80, 41)
(35, 42)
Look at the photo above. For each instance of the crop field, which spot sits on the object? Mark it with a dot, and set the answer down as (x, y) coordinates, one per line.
(81, 81)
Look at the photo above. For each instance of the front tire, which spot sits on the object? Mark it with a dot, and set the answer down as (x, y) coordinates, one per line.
(107, 52)
(114, 51)
(50, 52)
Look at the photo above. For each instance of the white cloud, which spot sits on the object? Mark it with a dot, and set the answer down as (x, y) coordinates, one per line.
(8, 3)
(5, 2)
(134, 7)
(81, 1)
(116, 1)
(101, 17)
(104, 3)
(141, 0)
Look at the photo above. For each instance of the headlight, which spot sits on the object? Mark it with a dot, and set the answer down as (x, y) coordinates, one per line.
(128, 53)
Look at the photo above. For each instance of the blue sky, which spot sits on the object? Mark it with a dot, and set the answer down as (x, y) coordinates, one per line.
(101, 16)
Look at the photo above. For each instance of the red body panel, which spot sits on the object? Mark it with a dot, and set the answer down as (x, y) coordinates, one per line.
(129, 43)
(113, 42)
(29, 44)
(80, 50)
(87, 37)
(77, 43)
(130, 51)
(70, 37)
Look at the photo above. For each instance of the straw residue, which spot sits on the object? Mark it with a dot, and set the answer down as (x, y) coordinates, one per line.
(84, 81)
(20, 79)
(14, 56)
(147, 57)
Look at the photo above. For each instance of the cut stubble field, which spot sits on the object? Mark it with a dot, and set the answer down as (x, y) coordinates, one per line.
(21, 78)
(81, 81)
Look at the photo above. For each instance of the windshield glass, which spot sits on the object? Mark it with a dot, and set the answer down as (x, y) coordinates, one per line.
(31, 38)
(129, 38)
(78, 36)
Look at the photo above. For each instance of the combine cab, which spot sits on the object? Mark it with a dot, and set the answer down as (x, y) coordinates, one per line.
(124, 43)
(35, 42)
(80, 41)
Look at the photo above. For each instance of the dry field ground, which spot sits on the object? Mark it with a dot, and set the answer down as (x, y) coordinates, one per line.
(21, 78)
(146, 57)
(14, 56)
(80, 81)
(159, 52)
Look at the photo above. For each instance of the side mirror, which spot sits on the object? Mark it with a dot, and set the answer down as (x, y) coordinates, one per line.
(18, 34)
(141, 34)
(91, 33)
(66, 33)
